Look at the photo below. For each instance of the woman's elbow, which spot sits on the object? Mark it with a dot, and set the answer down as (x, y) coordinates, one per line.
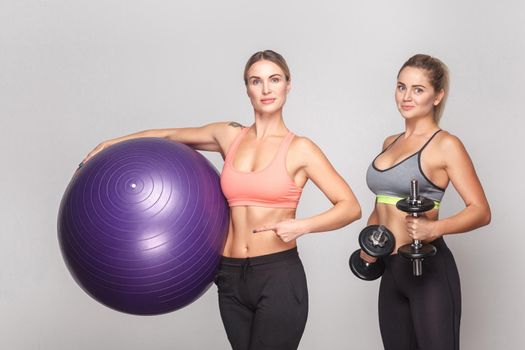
(354, 212)
(358, 214)
(484, 215)
(487, 216)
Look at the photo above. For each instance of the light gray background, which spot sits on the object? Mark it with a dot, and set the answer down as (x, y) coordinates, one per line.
(74, 73)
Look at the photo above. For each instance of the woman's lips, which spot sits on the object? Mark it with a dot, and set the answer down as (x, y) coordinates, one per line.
(267, 101)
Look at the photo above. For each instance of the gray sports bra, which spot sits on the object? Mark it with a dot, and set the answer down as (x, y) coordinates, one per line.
(393, 183)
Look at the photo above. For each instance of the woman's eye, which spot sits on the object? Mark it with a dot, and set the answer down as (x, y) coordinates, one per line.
(418, 90)
(401, 88)
(255, 81)
(275, 80)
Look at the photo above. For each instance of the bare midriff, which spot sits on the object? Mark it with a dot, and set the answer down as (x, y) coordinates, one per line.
(394, 220)
(243, 243)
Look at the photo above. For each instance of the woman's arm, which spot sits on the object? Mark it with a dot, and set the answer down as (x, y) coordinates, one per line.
(345, 209)
(460, 170)
(206, 138)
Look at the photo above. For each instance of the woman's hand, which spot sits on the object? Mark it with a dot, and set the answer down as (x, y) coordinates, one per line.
(369, 259)
(96, 150)
(421, 228)
(287, 230)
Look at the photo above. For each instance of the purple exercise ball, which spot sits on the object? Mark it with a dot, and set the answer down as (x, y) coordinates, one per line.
(142, 225)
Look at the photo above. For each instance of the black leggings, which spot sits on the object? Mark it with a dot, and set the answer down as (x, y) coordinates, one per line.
(420, 312)
(263, 301)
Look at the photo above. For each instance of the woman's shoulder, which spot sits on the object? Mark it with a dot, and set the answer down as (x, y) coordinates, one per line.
(228, 129)
(447, 141)
(223, 126)
(225, 133)
(305, 151)
(445, 147)
(303, 144)
(391, 139)
(231, 126)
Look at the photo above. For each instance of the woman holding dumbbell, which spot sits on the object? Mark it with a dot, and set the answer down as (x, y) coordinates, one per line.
(422, 312)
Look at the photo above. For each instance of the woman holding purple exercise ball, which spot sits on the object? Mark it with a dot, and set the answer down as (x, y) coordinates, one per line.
(263, 297)
(422, 311)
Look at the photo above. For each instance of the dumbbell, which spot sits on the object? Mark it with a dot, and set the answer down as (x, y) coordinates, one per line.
(376, 241)
(417, 251)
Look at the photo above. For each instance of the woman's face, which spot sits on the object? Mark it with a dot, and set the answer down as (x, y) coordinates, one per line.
(267, 87)
(415, 96)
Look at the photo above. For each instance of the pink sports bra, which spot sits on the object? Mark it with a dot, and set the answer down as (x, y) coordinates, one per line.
(268, 187)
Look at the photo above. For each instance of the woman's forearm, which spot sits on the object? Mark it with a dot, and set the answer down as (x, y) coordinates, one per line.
(470, 218)
(341, 214)
(162, 133)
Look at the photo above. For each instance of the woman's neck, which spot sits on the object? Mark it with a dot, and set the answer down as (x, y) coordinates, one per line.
(268, 125)
(420, 126)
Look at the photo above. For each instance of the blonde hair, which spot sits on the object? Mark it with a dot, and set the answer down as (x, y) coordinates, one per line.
(267, 55)
(438, 76)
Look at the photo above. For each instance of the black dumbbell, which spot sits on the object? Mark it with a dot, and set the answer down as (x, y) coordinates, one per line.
(376, 241)
(417, 251)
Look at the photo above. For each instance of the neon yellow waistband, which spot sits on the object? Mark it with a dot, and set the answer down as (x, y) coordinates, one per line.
(380, 198)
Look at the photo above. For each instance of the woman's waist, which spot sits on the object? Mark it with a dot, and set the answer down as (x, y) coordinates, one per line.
(395, 220)
(280, 259)
(245, 243)
(392, 199)
(248, 218)
(290, 254)
(389, 214)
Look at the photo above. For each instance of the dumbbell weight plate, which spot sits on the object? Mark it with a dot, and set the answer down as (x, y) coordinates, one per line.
(364, 271)
(426, 251)
(409, 206)
(367, 244)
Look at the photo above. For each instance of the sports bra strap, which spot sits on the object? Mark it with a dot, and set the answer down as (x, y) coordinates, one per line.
(430, 139)
(420, 150)
(283, 149)
(391, 143)
(281, 152)
(235, 144)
